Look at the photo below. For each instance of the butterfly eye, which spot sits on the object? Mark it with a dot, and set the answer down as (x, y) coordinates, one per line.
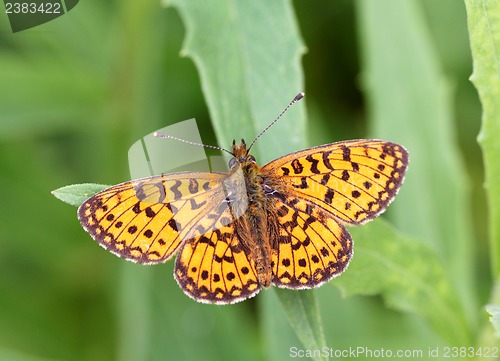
(251, 158)
(232, 162)
(230, 197)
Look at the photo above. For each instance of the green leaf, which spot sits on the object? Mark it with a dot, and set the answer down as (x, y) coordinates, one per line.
(249, 69)
(490, 332)
(276, 334)
(407, 274)
(7, 354)
(484, 32)
(410, 103)
(301, 308)
(494, 311)
(55, 93)
(76, 194)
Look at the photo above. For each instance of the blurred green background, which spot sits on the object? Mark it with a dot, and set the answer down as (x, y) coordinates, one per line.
(75, 94)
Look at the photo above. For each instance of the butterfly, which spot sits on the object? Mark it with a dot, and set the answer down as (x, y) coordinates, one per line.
(234, 233)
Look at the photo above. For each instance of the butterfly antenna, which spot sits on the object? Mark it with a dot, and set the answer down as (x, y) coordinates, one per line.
(167, 136)
(295, 100)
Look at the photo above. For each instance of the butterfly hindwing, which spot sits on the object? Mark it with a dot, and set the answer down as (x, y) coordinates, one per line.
(215, 268)
(312, 246)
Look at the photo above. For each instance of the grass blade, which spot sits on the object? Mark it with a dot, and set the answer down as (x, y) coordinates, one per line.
(410, 103)
(484, 31)
(250, 69)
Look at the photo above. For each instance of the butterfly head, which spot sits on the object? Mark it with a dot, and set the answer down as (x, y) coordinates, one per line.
(240, 154)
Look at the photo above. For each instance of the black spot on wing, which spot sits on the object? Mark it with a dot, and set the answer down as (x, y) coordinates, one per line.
(346, 153)
(302, 185)
(193, 186)
(329, 196)
(326, 160)
(298, 168)
(195, 205)
(314, 164)
(175, 190)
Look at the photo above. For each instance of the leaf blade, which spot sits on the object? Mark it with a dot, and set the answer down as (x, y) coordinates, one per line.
(306, 322)
(249, 71)
(483, 18)
(249, 68)
(76, 194)
(410, 102)
(407, 274)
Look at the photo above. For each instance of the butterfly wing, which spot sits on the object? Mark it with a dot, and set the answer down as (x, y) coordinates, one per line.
(317, 189)
(353, 180)
(214, 267)
(312, 246)
(146, 220)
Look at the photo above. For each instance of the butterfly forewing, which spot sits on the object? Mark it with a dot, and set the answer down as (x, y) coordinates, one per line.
(353, 180)
(135, 221)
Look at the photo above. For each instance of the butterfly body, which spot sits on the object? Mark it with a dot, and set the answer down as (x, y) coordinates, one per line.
(281, 224)
(255, 227)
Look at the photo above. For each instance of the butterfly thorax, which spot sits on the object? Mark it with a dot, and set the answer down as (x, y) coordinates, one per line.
(255, 221)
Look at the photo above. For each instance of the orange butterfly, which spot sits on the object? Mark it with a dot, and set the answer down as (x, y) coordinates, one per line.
(236, 232)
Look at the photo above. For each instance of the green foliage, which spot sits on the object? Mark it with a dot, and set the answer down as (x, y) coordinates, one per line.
(249, 69)
(484, 28)
(408, 275)
(76, 95)
(76, 194)
(494, 312)
(301, 309)
(410, 103)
